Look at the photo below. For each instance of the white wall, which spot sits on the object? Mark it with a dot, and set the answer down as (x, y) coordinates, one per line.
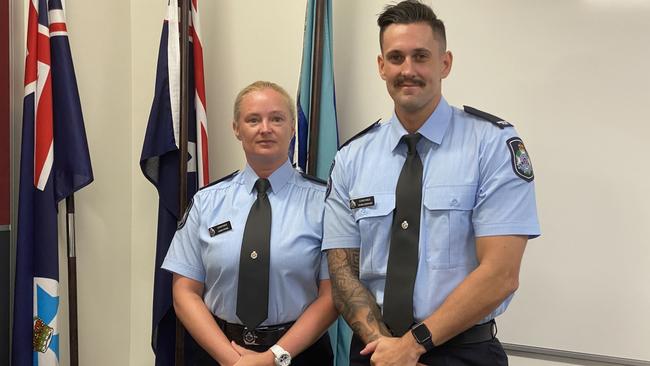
(146, 17)
(101, 47)
(115, 46)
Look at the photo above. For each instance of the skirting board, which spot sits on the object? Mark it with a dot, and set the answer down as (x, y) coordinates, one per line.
(530, 351)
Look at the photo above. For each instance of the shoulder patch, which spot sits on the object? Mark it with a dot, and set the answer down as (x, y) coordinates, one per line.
(520, 159)
(313, 179)
(363, 132)
(329, 180)
(497, 121)
(183, 219)
(221, 179)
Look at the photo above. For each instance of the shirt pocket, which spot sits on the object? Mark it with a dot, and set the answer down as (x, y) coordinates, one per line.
(219, 250)
(447, 224)
(374, 228)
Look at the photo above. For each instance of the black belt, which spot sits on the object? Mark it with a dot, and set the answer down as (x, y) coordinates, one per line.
(260, 336)
(476, 334)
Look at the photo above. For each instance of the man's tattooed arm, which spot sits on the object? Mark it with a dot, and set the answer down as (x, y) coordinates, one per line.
(355, 303)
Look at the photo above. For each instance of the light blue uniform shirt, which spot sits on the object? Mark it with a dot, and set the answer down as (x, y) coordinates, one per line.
(296, 263)
(470, 189)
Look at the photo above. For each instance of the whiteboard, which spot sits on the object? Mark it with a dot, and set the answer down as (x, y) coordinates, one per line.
(574, 78)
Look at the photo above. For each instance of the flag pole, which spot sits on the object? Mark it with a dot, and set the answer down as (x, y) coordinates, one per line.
(182, 199)
(72, 281)
(316, 81)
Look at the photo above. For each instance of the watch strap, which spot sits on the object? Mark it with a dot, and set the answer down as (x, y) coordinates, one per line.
(282, 357)
(422, 335)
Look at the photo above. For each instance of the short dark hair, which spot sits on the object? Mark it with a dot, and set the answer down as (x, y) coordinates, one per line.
(408, 12)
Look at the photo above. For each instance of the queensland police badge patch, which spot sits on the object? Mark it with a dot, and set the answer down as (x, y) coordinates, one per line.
(520, 159)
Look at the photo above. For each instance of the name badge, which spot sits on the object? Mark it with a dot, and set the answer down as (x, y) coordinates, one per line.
(221, 228)
(362, 202)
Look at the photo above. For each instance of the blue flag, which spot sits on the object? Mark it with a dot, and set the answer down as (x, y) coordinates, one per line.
(55, 163)
(327, 128)
(340, 333)
(160, 161)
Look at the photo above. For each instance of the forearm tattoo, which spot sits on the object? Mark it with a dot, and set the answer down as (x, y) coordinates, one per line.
(353, 301)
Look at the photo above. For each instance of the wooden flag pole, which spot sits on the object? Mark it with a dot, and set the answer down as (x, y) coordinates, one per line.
(72, 281)
(182, 198)
(316, 81)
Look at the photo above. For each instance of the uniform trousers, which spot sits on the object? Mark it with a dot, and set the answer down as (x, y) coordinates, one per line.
(488, 353)
(318, 354)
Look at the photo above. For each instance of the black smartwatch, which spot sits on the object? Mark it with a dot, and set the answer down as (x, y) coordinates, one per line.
(423, 336)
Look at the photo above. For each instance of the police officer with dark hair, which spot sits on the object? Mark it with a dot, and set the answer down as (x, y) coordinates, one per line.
(250, 282)
(427, 214)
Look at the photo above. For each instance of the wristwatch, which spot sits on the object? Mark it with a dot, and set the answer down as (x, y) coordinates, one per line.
(423, 336)
(282, 357)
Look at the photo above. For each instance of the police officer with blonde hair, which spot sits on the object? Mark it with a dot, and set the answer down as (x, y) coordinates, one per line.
(250, 283)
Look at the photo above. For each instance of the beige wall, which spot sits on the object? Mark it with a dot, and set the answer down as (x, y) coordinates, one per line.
(101, 47)
(510, 59)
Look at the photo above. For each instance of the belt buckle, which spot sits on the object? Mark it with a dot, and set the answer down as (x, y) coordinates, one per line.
(249, 337)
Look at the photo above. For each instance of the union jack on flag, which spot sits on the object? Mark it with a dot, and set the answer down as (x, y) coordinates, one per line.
(55, 163)
(160, 161)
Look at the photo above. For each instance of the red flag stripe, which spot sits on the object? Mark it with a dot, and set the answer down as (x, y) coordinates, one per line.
(39, 63)
(32, 41)
(58, 27)
(204, 153)
(200, 104)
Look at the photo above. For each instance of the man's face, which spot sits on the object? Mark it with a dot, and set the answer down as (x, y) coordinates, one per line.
(413, 65)
(264, 127)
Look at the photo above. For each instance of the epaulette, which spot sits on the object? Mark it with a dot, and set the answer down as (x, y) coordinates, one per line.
(221, 179)
(363, 132)
(314, 179)
(497, 121)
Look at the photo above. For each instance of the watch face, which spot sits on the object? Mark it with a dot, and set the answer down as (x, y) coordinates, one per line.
(284, 360)
(421, 333)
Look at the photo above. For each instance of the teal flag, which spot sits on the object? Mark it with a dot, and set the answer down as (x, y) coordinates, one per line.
(328, 142)
(327, 129)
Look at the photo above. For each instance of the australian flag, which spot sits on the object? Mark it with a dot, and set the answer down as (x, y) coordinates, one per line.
(54, 164)
(160, 161)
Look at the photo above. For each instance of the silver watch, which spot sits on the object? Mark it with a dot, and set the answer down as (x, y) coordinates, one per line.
(282, 357)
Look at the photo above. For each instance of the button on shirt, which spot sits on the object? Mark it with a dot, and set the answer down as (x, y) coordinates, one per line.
(469, 190)
(296, 262)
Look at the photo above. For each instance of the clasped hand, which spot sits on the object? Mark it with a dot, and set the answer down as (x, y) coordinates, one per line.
(394, 351)
(252, 358)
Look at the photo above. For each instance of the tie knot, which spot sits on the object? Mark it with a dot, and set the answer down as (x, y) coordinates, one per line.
(262, 185)
(411, 141)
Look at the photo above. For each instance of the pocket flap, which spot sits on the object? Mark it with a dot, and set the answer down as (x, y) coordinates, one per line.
(450, 197)
(384, 205)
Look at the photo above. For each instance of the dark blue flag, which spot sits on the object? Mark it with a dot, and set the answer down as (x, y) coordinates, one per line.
(54, 164)
(160, 161)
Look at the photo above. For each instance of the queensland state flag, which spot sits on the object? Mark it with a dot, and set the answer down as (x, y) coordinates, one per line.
(54, 164)
(160, 161)
(328, 141)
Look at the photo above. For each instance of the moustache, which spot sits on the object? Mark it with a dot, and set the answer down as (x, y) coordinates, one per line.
(401, 80)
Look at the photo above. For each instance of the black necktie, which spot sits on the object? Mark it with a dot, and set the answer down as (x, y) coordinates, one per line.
(253, 287)
(404, 239)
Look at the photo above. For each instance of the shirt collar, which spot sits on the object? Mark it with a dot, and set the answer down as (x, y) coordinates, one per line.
(278, 178)
(433, 129)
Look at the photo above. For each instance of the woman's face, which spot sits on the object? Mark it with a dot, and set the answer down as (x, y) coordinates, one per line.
(264, 127)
